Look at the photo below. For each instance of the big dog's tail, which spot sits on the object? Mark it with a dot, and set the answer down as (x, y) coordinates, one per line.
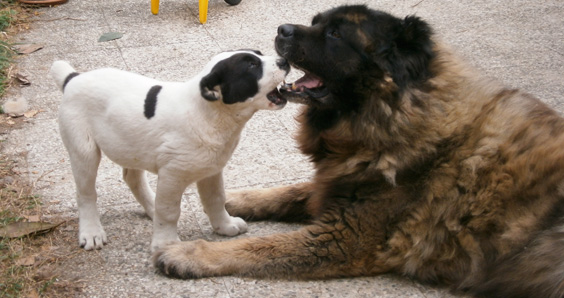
(536, 271)
(62, 72)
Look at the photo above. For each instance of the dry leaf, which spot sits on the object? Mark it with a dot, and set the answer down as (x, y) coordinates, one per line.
(31, 113)
(20, 229)
(22, 79)
(26, 261)
(33, 218)
(33, 294)
(29, 48)
(110, 36)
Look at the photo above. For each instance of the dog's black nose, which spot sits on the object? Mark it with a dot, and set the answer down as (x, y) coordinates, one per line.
(283, 64)
(286, 30)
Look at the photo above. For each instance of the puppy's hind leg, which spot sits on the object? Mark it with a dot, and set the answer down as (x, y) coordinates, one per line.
(85, 157)
(212, 196)
(137, 182)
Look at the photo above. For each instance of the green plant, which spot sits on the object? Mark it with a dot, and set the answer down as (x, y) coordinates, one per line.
(7, 217)
(7, 3)
(6, 54)
(14, 282)
(6, 18)
(45, 286)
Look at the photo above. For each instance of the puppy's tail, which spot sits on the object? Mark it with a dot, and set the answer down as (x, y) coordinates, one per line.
(62, 72)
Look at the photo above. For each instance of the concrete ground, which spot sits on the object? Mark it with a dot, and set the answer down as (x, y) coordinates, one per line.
(519, 42)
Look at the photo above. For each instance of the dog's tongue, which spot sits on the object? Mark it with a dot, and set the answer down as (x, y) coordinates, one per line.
(309, 81)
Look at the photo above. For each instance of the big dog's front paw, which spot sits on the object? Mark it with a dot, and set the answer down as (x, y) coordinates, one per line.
(284, 203)
(230, 226)
(184, 260)
(242, 203)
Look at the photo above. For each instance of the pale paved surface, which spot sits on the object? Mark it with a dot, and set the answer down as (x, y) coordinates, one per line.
(518, 42)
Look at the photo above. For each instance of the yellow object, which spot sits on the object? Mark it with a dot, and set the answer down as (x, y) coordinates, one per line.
(203, 11)
(203, 7)
(155, 6)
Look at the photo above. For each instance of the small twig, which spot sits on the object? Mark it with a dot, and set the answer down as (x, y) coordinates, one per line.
(58, 19)
(417, 3)
(43, 176)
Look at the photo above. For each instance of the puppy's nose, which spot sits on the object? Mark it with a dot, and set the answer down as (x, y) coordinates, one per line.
(283, 64)
(286, 30)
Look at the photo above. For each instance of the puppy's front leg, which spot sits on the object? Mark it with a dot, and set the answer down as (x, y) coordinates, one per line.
(167, 208)
(212, 195)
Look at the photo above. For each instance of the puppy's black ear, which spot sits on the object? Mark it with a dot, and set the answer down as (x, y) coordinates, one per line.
(210, 85)
(233, 79)
(239, 89)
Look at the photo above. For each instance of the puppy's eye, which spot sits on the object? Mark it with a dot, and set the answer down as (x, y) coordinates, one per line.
(253, 64)
(334, 34)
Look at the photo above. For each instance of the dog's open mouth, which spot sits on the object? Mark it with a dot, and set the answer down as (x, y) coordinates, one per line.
(305, 90)
(276, 98)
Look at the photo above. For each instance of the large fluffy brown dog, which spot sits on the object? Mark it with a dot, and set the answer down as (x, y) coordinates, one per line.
(422, 168)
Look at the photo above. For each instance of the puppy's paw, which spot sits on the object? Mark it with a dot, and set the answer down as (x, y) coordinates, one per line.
(92, 237)
(231, 226)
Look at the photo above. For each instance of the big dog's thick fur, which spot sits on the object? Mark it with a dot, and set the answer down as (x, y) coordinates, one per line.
(183, 131)
(423, 168)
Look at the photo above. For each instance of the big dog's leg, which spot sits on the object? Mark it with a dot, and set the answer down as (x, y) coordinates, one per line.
(212, 196)
(286, 203)
(341, 244)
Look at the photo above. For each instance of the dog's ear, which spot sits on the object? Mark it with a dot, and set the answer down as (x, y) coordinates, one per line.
(412, 51)
(414, 35)
(232, 80)
(229, 81)
(239, 89)
(210, 86)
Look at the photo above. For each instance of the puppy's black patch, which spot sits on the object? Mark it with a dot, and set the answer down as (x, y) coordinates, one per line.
(68, 78)
(236, 76)
(151, 101)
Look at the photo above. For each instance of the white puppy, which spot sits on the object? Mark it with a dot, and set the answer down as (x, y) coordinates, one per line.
(184, 132)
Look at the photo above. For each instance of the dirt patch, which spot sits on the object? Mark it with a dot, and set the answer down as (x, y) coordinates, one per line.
(30, 265)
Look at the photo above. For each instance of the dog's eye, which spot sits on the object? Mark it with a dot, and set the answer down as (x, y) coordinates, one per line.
(334, 34)
(253, 64)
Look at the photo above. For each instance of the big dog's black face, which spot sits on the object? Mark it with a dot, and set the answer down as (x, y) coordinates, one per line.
(346, 47)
